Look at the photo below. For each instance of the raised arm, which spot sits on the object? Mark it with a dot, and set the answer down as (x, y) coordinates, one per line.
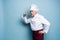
(25, 19)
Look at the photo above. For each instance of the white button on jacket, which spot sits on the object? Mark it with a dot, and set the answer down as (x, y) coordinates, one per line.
(37, 23)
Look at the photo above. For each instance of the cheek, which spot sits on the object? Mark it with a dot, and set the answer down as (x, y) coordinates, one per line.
(31, 12)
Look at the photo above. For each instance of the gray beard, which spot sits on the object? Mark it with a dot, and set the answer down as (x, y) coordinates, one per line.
(32, 15)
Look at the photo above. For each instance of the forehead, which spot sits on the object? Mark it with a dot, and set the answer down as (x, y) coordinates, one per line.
(31, 10)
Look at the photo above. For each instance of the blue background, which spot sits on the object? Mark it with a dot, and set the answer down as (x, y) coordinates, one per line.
(13, 28)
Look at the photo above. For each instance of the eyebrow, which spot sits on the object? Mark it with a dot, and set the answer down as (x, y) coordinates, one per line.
(30, 11)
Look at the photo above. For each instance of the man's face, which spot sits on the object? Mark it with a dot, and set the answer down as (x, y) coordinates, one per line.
(32, 12)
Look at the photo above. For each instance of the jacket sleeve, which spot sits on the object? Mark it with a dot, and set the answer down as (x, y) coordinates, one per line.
(26, 20)
(46, 24)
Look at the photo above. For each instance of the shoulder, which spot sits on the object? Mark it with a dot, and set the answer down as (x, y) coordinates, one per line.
(40, 15)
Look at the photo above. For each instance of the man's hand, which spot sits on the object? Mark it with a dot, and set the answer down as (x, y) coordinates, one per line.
(41, 32)
(24, 15)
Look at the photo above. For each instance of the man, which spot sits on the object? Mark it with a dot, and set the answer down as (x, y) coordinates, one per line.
(39, 24)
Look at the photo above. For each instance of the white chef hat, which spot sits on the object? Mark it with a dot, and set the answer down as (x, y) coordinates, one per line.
(34, 7)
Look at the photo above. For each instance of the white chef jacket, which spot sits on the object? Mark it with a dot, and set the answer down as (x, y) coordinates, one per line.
(37, 22)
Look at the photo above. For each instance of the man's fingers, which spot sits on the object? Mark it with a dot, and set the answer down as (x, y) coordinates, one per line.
(24, 15)
(41, 32)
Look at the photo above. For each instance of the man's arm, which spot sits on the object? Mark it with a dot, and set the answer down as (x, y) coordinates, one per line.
(25, 19)
(46, 24)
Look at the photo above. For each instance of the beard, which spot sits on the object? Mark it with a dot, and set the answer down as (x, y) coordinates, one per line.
(32, 15)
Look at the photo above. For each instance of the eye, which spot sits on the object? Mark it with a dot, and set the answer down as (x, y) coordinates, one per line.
(31, 11)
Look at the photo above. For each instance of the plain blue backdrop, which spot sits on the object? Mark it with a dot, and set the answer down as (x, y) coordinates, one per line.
(12, 26)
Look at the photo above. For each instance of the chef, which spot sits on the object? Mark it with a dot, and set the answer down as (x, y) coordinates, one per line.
(39, 24)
